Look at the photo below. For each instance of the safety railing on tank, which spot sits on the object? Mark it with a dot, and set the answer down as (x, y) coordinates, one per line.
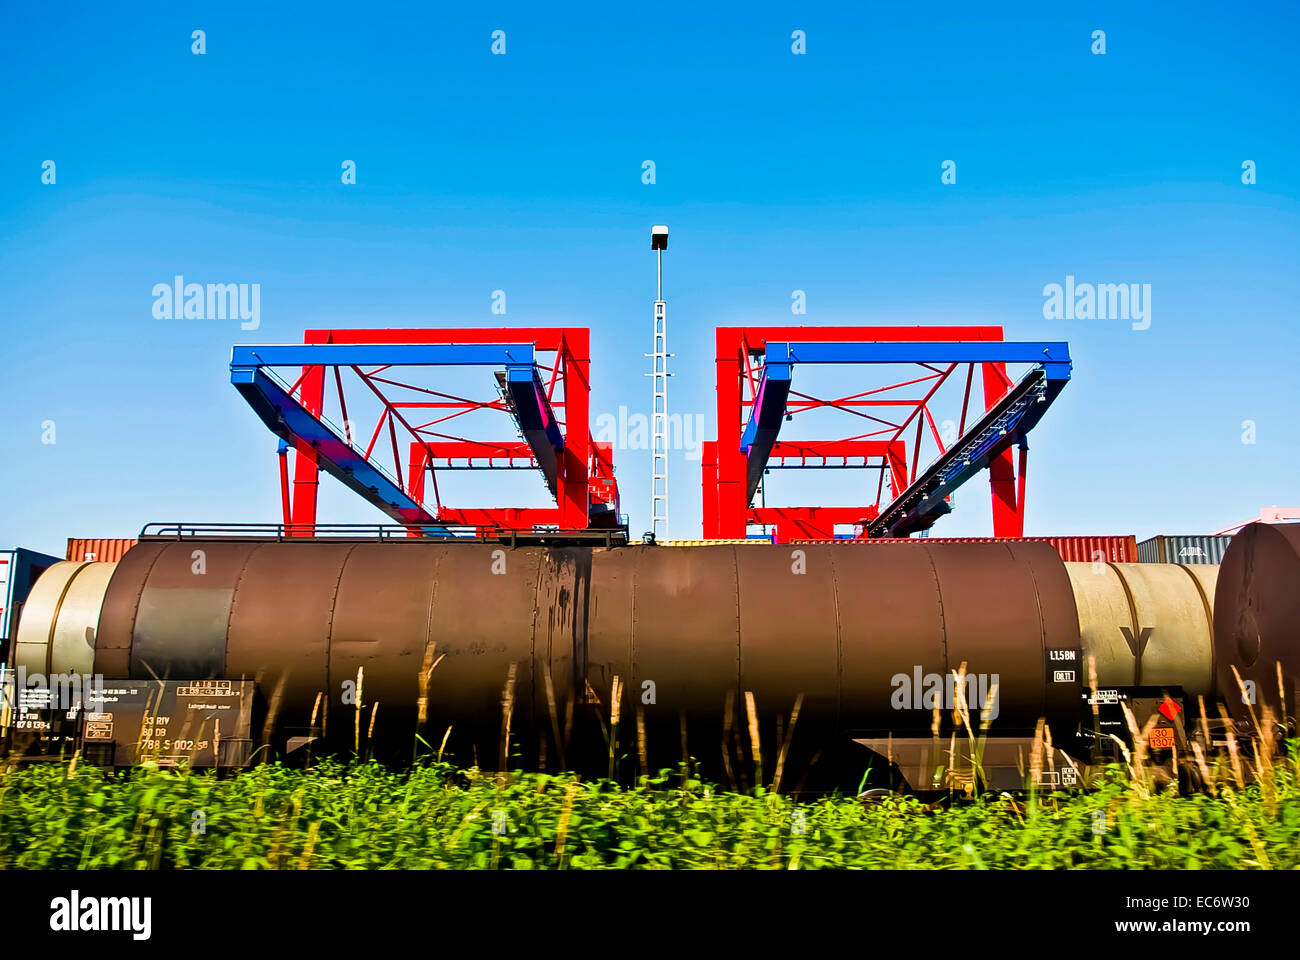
(610, 536)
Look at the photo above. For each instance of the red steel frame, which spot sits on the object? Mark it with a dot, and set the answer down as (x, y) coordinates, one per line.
(584, 470)
(725, 510)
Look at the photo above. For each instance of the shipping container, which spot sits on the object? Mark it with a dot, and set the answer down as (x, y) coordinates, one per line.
(1187, 549)
(1123, 549)
(18, 571)
(105, 551)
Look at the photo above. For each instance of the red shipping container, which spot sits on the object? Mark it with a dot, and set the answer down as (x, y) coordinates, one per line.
(1073, 549)
(105, 551)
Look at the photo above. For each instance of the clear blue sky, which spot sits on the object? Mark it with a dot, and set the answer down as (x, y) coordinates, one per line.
(522, 172)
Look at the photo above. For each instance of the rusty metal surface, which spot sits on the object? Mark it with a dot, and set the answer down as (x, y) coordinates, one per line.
(484, 622)
(121, 601)
(183, 616)
(1257, 618)
(1008, 609)
(294, 604)
(890, 623)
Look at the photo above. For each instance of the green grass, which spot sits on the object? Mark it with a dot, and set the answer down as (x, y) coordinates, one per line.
(434, 816)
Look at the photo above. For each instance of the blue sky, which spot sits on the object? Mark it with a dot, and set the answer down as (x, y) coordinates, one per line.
(522, 172)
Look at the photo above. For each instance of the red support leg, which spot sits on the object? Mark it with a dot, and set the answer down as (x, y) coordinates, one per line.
(285, 512)
(415, 480)
(898, 466)
(730, 461)
(572, 486)
(306, 474)
(1020, 483)
(1007, 521)
(709, 488)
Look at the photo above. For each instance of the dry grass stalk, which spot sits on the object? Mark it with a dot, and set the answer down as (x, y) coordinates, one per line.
(1264, 771)
(751, 709)
(1143, 779)
(686, 757)
(936, 746)
(562, 828)
(507, 714)
(423, 678)
(273, 708)
(640, 741)
(1201, 765)
(1246, 698)
(555, 716)
(1050, 751)
(312, 831)
(728, 715)
(1205, 723)
(1234, 757)
(951, 773)
(1036, 760)
(615, 710)
(615, 701)
(785, 744)
(1281, 694)
(356, 714)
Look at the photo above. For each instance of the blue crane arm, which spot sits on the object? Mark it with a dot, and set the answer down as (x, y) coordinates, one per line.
(764, 424)
(296, 425)
(1008, 421)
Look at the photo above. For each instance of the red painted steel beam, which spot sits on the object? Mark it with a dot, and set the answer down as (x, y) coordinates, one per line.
(306, 473)
(808, 523)
(501, 518)
(1008, 519)
(572, 491)
(828, 449)
(544, 338)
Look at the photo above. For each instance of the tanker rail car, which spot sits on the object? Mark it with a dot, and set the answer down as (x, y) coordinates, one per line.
(835, 658)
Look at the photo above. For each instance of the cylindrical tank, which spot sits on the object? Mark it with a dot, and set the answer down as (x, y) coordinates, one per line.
(1257, 620)
(862, 634)
(56, 633)
(1148, 623)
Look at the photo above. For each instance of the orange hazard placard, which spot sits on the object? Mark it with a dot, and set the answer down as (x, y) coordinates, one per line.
(1162, 738)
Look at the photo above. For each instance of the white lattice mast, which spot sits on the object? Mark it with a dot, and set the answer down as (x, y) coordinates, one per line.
(659, 404)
